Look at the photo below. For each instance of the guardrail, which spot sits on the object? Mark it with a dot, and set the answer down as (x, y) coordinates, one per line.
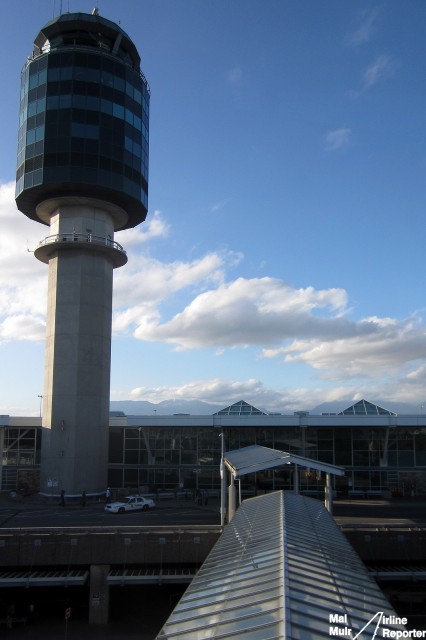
(368, 528)
(82, 237)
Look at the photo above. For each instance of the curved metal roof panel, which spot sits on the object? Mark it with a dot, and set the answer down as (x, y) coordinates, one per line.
(240, 462)
(282, 569)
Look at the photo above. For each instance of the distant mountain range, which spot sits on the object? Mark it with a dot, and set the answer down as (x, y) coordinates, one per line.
(200, 408)
(165, 408)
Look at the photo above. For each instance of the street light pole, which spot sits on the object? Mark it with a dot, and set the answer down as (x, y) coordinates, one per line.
(41, 399)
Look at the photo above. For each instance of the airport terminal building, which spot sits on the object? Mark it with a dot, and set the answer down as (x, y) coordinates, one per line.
(381, 452)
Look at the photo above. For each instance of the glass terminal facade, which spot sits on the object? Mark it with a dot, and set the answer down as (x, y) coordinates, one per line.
(166, 457)
(84, 118)
(382, 454)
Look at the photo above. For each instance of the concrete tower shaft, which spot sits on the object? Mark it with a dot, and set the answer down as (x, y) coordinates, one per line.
(81, 255)
(83, 170)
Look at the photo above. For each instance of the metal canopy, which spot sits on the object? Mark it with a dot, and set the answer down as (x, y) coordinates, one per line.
(155, 575)
(41, 578)
(282, 570)
(240, 462)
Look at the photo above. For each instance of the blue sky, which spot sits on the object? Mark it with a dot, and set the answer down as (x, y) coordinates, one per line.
(282, 258)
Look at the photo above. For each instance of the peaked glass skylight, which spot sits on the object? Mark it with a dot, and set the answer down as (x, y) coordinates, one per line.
(240, 408)
(365, 408)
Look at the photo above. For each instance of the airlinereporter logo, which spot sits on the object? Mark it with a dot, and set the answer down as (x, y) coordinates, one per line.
(379, 626)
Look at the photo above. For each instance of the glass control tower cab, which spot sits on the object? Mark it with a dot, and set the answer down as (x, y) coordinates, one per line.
(82, 170)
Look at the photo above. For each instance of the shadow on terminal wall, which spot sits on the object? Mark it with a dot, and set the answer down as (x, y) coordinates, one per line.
(135, 612)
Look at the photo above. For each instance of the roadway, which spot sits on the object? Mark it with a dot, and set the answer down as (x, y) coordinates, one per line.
(398, 512)
(32, 512)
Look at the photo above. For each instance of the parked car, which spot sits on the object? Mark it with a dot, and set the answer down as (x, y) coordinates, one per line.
(131, 503)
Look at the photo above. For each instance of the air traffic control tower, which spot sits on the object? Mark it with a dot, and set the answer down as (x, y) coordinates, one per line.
(82, 171)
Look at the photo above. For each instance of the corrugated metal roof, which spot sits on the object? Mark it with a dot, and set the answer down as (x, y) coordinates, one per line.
(257, 458)
(281, 569)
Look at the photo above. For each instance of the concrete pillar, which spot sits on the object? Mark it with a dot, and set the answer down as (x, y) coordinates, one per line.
(1, 455)
(99, 594)
(222, 482)
(231, 499)
(296, 479)
(328, 497)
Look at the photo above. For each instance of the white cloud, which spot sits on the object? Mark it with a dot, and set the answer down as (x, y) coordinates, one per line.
(381, 68)
(218, 206)
(418, 376)
(22, 327)
(192, 305)
(23, 279)
(235, 76)
(211, 390)
(337, 139)
(154, 227)
(145, 283)
(391, 349)
(366, 28)
(258, 311)
(226, 391)
(299, 325)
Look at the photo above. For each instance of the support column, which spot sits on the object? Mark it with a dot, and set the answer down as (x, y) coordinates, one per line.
(231, 499)
(1, 455)
(222, 481)
(81, 255)
(328, 497)
(296, 479)
(99, 594)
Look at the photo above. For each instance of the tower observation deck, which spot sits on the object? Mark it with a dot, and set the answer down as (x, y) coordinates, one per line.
(82, 169)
